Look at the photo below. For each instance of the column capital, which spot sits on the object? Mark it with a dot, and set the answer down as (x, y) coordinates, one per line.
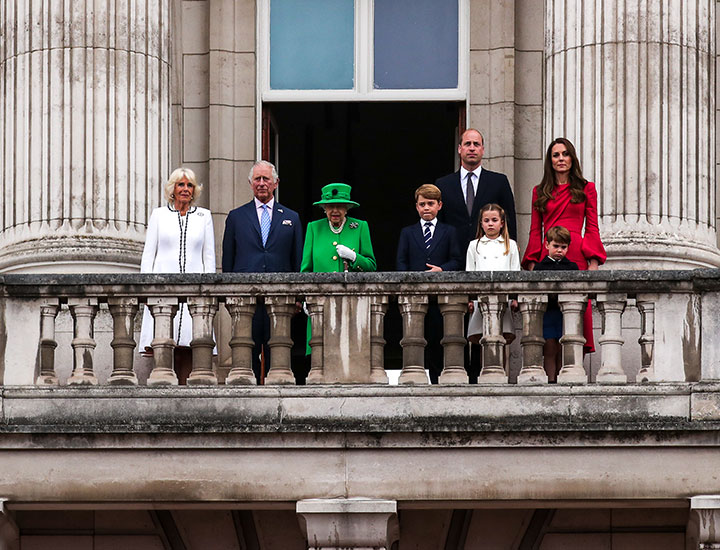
(340, 523)
(705, 514)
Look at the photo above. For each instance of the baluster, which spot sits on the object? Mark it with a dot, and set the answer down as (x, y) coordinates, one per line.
(316, 310)
(123, 311)
(163, 310)
(48, 314)
(493, 342)
(241, 310)
(202, 310)
(532, 308)
(378, 308)
(572, 340)
(83, 311)
(611, 307)
(281, 309)
(646, 306)
(413, 309)
(453, 308)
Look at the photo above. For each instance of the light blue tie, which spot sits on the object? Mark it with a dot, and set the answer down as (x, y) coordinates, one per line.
(265, 224)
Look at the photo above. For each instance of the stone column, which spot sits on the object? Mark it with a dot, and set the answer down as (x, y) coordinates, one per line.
(631, 83)
(572, 340)
(453, 308)
(48, 314)
(316, 308)
(611, 307)
(346, 523)
(84, 129)
(163, 310)
(83, 311)
(704, 523)
(646, 306)
(123, 311)
(532, 308)
(493, 342)
(202, 309)
(413, 309)
(241, 310)
(378, 308)
(280, 309)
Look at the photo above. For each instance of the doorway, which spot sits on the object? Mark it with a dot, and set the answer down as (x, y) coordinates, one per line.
(383, 150)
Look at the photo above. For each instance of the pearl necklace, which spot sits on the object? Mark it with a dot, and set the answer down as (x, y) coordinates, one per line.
(337, 230)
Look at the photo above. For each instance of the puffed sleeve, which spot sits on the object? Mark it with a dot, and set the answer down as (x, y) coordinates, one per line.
(209, 245)
(306, 265)
(151, 240)
(533, 252)
(592, 246)
(470, 264)
(365, 259)
(514, 257)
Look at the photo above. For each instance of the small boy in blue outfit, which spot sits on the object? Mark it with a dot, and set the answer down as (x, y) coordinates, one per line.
(557, 242)
(430, 245)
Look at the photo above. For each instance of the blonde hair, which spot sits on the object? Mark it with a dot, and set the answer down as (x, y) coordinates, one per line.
(175, 177)
(492, 207)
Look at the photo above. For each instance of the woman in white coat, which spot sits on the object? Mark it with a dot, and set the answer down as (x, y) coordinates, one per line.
(180, 239)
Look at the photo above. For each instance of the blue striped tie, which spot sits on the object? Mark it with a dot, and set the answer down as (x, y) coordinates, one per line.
(264, 224)
(427, 234)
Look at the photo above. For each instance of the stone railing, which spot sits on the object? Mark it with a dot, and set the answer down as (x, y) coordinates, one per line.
(675, 338)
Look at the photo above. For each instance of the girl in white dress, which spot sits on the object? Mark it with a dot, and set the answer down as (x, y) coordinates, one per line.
(492, 250)
(179, 239)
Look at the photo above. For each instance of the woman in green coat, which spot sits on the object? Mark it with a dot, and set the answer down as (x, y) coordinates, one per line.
(338, 243)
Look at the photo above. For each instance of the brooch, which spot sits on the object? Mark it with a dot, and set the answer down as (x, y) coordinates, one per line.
(353, 225)
(287, 222)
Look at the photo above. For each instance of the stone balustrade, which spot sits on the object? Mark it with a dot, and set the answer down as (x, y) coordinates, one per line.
(347, 311)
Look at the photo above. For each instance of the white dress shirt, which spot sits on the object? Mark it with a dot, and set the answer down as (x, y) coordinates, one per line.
(475, 179)
(433, 223)
(259, 208)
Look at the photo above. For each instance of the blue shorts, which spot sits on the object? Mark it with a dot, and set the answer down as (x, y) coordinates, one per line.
(552, 324)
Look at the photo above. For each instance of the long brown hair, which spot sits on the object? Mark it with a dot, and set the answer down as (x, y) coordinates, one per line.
(492, 207)
(547, 185)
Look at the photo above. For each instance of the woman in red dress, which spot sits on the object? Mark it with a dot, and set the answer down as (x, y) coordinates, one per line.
(565, 198)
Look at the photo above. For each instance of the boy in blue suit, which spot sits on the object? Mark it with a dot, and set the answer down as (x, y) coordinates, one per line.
(430, 246)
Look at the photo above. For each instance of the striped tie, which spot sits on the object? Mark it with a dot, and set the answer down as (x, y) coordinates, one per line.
(264, 224)
(427, 234)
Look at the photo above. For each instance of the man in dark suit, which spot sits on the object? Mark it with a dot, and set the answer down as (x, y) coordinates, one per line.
(262, 236)
(430, 246)
(462, 204)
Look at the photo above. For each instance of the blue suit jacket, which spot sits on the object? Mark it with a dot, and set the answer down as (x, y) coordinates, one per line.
(444, 249)
(243, 251)
(493, 187)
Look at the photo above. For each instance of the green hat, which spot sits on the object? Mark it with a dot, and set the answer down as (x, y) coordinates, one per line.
(336, 193)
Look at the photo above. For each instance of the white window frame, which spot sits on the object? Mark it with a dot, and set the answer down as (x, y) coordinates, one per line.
(363, 77)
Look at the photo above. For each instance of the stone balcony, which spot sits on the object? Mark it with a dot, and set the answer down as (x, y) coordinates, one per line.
(618, 430)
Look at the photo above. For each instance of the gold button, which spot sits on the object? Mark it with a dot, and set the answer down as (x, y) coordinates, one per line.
(334, 243)
(334, 257)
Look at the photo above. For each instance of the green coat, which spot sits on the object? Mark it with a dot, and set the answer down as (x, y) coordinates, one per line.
(320, 255)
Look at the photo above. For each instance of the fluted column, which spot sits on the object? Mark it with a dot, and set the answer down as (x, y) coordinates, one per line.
(123, 311)
(84, 129)
(413, 309)
(532, 308)
(631, 83)
(48, 314)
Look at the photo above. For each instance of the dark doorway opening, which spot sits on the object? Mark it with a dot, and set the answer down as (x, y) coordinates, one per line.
(383, 150)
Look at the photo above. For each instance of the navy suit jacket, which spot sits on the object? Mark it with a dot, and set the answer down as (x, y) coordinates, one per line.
(444, 249)
(243, 251)
(492, 187)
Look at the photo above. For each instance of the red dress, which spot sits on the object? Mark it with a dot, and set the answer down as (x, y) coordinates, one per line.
(560, 211)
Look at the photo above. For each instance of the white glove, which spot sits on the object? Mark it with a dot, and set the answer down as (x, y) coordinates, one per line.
(345, 253)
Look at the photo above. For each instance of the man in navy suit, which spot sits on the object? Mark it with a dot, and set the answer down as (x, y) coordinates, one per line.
(262, 236)
(462, 204)
(430, 246)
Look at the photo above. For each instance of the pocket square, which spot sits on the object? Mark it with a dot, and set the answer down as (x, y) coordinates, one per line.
(287, 222)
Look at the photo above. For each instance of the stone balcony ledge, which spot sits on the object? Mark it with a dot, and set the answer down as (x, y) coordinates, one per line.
(461, 410)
